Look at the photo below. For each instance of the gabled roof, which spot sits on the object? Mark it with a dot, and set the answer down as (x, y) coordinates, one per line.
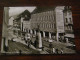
(26, 12)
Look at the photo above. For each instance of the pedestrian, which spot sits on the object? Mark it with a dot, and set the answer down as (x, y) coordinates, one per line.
(35, 43)
(42, 48)
(20, 52)
(53, 50)
(26, 40)
(50, 46)
(12, 39)
(29, 43)
(61, 50)
(57, 51)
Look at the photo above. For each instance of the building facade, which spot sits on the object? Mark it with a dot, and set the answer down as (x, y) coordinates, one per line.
(68, 23)
(26, 26)
(22, 23)
(4, 44)
(59, 23)
(51, 22)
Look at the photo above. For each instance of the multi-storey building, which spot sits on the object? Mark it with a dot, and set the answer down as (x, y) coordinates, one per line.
(22, 22)
(45, 20)
(53, 22)
(68, 23)
(49, 20)
(16, 28)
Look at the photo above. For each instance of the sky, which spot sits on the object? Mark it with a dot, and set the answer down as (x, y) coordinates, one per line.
(17, 10)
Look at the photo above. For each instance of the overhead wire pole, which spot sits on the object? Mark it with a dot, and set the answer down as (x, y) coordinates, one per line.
(39, 39)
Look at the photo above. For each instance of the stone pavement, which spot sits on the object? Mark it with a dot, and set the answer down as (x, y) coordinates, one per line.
(59, 45)
(56, 44)
(18, 39)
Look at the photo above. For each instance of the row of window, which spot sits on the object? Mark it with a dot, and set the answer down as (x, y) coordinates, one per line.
(42, 25)
(68, 13)
(34, 16)
(68, 27)
(43, 13)
(43, 18)
(68, 20)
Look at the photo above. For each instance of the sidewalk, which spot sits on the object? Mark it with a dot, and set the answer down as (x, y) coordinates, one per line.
(31, 46)
(59, 46)
(18, 39)
(23, 42)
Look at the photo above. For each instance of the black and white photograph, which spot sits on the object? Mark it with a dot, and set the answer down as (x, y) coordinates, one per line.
(37, 30)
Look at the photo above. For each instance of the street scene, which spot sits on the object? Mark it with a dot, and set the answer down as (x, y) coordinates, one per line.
(38, 30)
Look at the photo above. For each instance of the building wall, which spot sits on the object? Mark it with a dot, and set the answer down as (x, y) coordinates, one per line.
(68, 23)
(45, 20)
(11, 21)
(59, 19)
(4, 42)
(51, 21)
(26, 25)
(5, 21)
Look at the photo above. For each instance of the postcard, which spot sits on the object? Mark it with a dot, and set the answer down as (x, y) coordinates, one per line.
(37, 30)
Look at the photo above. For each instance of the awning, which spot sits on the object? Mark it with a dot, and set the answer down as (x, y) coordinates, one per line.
(69, 35)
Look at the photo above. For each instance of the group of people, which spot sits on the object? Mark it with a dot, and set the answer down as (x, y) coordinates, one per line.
(28, 40)
(55, 50)
(52, 49)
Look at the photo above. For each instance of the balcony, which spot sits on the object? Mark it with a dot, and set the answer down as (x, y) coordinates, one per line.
(69, 23)
(69, 31)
